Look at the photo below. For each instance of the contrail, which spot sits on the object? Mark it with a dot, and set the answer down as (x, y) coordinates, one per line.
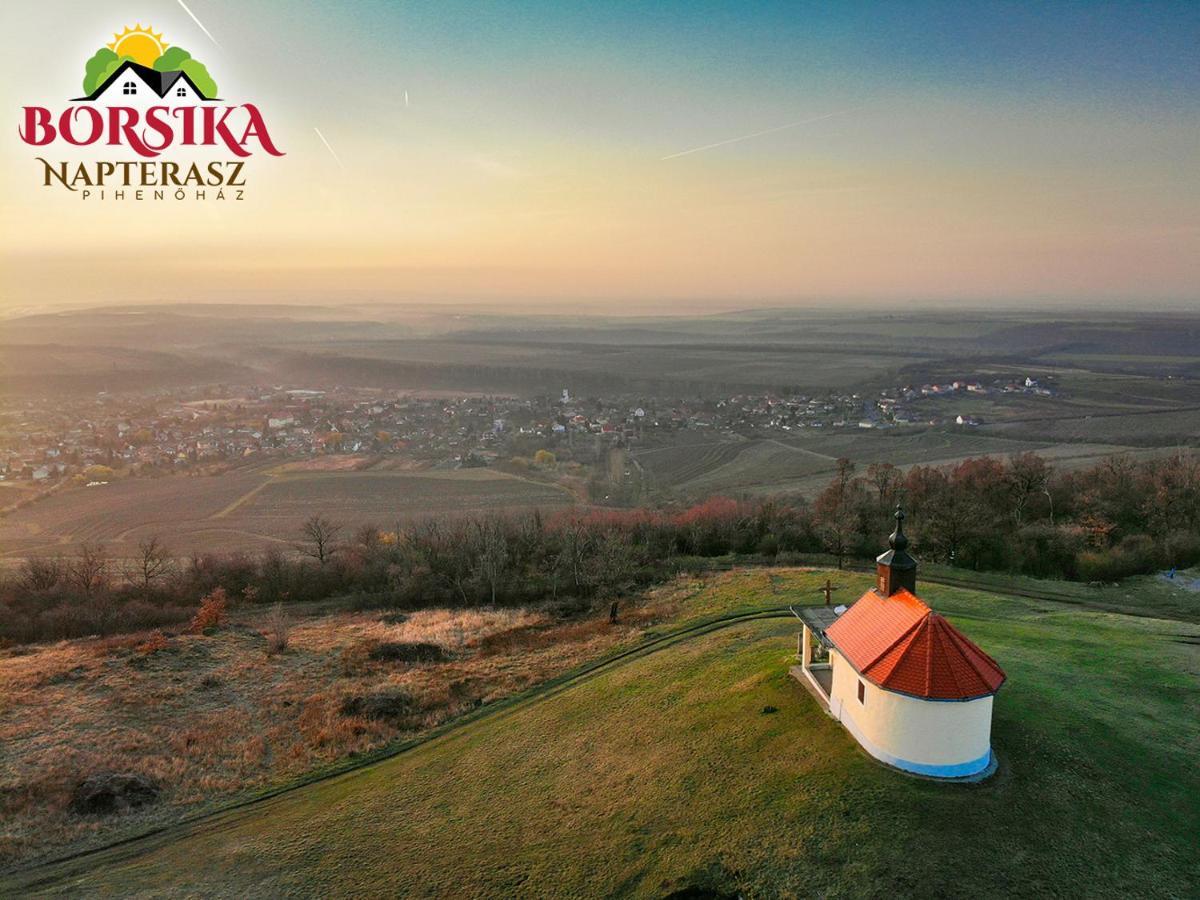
(198, 22)
(406, 99)
(746, 137)
(329, 147)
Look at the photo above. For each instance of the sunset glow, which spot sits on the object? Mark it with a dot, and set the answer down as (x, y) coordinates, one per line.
(687, 157)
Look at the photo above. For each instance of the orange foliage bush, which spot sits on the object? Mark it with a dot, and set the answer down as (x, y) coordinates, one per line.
(154, 643)
(212, 611)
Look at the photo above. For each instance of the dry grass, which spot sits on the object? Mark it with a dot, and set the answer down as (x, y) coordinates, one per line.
(240, 709)
(278, 627)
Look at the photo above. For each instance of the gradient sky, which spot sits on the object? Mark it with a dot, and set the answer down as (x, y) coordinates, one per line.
(952, 152)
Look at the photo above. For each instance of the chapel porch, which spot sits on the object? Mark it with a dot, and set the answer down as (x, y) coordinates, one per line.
(814, 672)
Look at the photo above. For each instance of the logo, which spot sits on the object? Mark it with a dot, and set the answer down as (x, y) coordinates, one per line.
(143, 101)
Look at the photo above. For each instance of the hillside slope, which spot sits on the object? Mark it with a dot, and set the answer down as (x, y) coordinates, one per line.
(665, 772)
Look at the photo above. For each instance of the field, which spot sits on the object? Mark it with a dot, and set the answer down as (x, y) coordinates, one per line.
(254, 509)
(806, 464)
(703, 767)
(13, 493)
(1145, 428)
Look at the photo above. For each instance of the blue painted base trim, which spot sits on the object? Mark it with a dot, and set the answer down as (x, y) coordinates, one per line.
(958, 770)
(962, 770)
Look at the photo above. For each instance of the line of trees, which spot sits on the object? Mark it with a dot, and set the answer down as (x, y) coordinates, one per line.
(1121, 517)
(569, 558)
(1118, 518)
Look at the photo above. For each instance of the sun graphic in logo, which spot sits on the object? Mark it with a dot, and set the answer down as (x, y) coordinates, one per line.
(140, 44)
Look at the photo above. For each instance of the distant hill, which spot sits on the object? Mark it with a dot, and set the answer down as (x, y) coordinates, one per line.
(428, 346)
(42, 370)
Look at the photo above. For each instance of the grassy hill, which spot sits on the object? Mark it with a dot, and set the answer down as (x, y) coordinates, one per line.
(666, 771)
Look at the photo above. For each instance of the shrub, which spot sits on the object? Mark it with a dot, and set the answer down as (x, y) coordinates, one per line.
(1099, 566)
(138, 615)
(1182, 549)
(277, 629)
(113, 792)
(1045, 551)
(387, 705)
(1133, 556)
(213, 609)
(419, 652)
(153, 644)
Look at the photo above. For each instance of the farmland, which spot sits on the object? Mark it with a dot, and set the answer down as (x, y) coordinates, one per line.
(382, 498)
(703, 767)
(1145, 428)
(255, 508)
(258, 506)
(805, 464)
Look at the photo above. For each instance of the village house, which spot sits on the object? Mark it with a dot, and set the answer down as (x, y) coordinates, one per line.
(911, 688)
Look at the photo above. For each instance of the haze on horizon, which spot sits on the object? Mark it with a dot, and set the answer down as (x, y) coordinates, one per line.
(680, 157)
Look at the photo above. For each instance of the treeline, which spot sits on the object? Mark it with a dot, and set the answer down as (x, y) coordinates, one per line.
(461, 561)
(1119, 518)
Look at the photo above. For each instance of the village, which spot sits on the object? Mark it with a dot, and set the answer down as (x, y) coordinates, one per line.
(91, 439)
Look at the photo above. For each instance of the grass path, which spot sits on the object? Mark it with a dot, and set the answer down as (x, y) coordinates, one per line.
(244, 499)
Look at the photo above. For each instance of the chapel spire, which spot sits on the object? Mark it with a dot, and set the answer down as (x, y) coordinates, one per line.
(896, 568)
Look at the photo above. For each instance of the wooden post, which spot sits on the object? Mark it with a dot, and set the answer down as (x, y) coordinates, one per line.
(828, 591)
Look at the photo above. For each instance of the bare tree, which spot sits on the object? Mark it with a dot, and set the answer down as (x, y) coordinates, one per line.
(552, 565)
(153, 563)
(39, 574)
(89, 572)
(612, 561)
(444, 550)
(491, 561)
(837, 512)
(577, 541)
(320, 538)
(368, 538)
(885, 478)
(955, 519)
(1027, 476)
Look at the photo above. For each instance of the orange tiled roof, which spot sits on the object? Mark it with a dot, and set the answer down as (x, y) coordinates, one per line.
(902, 645)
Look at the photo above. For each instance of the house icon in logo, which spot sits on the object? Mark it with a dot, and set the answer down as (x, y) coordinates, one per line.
(133, 84)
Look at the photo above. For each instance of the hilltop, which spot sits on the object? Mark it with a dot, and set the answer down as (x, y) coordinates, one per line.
(697, 764)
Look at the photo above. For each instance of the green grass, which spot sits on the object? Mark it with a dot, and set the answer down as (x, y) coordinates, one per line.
(1142, 595)
(663, 772)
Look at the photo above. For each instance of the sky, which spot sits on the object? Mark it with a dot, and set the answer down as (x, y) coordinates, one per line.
(635, 158)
